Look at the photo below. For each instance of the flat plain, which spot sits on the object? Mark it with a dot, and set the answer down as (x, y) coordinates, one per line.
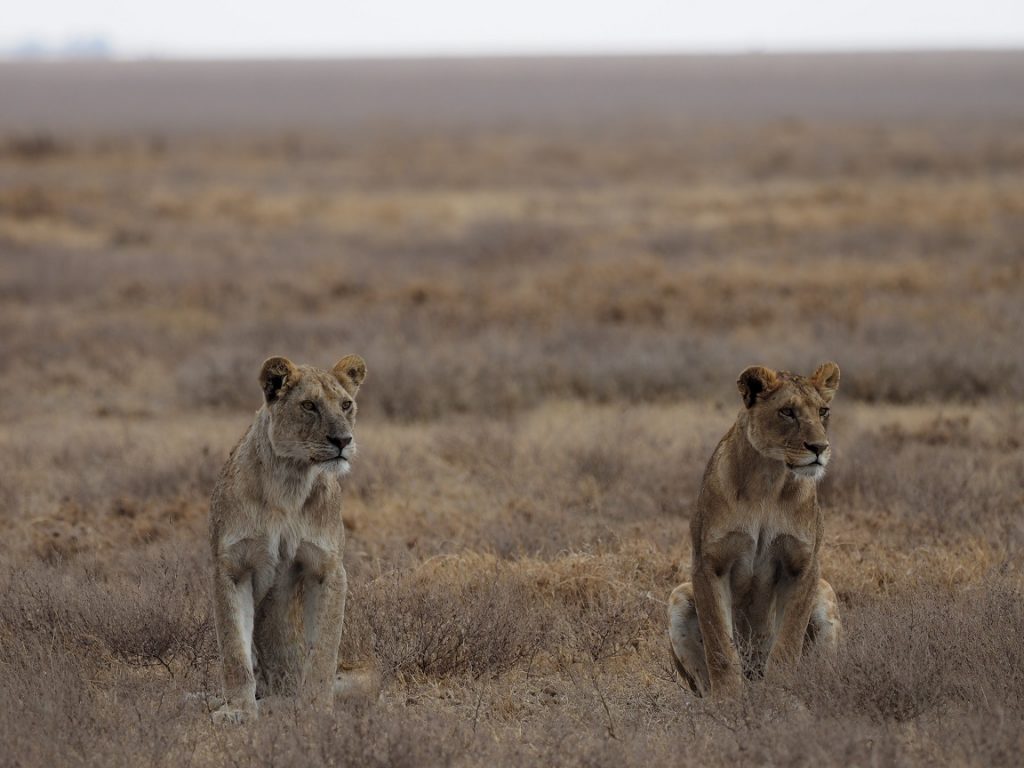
(555, 270)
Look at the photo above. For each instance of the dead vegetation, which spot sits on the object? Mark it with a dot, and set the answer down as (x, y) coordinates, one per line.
(553, 322)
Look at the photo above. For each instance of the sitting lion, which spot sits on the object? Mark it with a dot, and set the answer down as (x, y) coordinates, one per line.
(756, 535)
(278, 538)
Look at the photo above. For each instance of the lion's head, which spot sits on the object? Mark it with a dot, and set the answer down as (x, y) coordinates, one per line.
(788, 415)
(313, 411)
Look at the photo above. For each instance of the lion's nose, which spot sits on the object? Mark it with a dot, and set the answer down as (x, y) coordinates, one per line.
(339, 442)
(816, 448)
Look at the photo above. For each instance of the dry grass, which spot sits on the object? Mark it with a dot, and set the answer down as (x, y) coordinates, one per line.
(553, 321)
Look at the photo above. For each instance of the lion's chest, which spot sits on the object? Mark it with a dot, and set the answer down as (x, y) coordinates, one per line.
(282, 539)
(758, 556)
(764, 559)
(278, 547)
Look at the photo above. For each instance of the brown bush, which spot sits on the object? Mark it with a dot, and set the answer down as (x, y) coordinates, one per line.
(426, 624)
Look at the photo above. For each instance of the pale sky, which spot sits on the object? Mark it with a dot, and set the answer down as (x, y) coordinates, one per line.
(297, 28)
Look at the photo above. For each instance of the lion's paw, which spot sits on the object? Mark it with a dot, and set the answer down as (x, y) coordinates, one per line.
(230, 715)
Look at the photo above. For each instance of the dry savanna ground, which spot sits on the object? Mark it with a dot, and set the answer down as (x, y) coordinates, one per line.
(553, 318)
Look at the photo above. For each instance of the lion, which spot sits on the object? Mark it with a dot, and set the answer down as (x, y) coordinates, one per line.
(755, 582)
(277, 538)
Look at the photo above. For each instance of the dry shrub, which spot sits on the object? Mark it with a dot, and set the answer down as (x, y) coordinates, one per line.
(26, 203)
(601, 617)
(476, 616)
(940, 483)
(371, 738)
(430, 623)
(923, 652)
(34, 146)
(468, 642)
(157, 615)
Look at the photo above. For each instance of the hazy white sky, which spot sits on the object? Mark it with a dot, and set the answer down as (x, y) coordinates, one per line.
(226, 28)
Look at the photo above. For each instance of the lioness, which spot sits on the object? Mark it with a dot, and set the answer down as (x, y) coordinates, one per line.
(278, 538)
(756, 535)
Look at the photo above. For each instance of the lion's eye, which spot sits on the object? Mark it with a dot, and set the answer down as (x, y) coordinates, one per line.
(823, 412)
(788, 413)
(309, 405)
(347, 405)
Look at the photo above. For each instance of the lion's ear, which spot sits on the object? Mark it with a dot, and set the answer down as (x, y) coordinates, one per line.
(350, 371)
(826, 380)
(754, 381)
(275, 375)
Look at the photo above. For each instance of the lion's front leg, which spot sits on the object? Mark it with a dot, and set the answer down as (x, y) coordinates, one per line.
(792, 620)
(324, 614)
(713, 603)
(234, 609)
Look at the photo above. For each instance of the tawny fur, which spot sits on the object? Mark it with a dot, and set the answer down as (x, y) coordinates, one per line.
(277, 538)
(756, 591)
